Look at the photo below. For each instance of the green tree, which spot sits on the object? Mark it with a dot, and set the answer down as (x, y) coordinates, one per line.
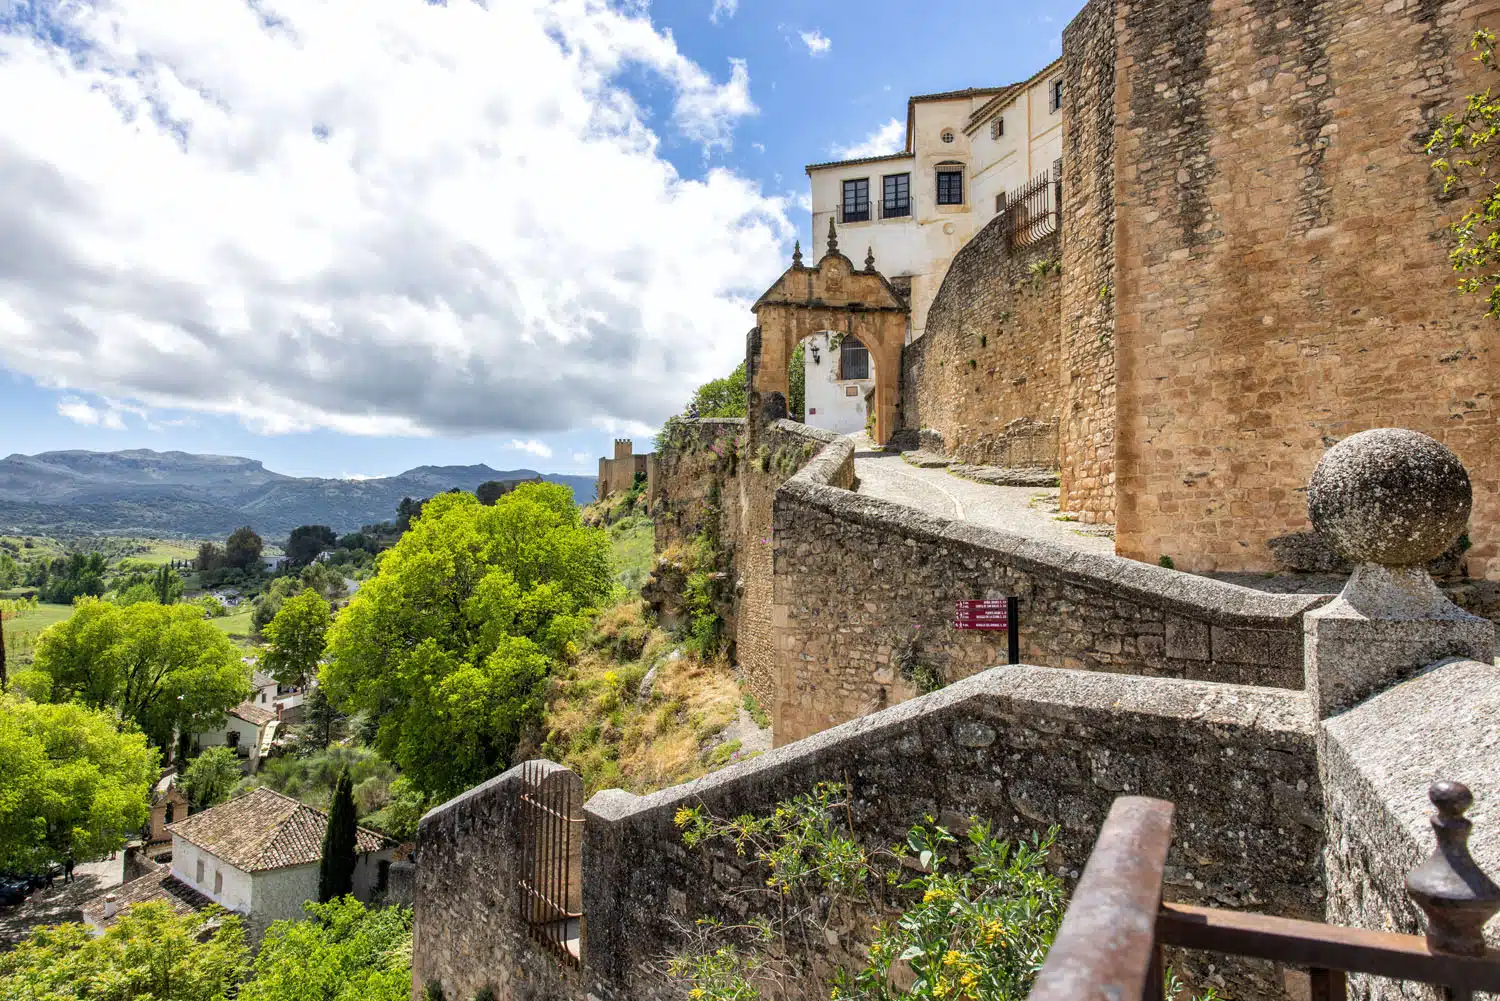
(324, 579)
(148, 954)
(72, 785)
(322, 717)
(210, 776)
(796, 378)
(346, 952)
(210, 558)
(1464, 147)
(408, 511)
(307, 541)
(167, 585)
(10, 571)
(447, 647)
(242, 549)
(340, 843)
(402, 812)
(73, 576)
(720, 397)
(297, 637)
(159, 666)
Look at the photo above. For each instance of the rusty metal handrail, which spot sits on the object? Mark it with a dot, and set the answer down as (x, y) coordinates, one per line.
(1111, 939)
(1106, 945)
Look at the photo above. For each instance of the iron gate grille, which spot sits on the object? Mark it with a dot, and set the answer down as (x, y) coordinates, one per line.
(551, 846)
(1031, 211)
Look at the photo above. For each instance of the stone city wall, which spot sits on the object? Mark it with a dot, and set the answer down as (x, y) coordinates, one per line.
(985, 373)
(1280, 244)
(708, 482)
(1087, 350)
(865, 592)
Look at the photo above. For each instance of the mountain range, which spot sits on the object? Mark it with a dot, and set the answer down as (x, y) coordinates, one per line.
(144, 492)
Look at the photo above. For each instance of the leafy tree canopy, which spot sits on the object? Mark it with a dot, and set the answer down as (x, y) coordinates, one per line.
(157, 666)
(148, 954)
(720, 397)
(345, 953)
(73, 576)
(1464, 147)
(447, 646)
(71, 783)
(210, 776)
(242, 548)
(297, 636)
(307, 541)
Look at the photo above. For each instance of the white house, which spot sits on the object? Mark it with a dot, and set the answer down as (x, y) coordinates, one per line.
(965, 151)
(248, 728)
(838, 378)
(258, 856)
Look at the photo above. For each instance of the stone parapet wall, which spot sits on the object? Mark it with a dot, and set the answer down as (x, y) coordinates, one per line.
(1021, 747)
(984, 375)
(860, 582)
(1377, 761)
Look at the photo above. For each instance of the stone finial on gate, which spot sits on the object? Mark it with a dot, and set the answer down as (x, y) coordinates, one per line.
(797, 253)
(833, 237)
(1388, 500)
(1454, 893)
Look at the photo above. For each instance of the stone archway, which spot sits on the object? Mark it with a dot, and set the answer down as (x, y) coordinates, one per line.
(831, 295)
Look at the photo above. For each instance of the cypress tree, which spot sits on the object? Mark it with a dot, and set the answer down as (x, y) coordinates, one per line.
(336, 870)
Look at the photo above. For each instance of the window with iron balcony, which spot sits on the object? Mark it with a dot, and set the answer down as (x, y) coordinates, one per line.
(856, 204)
(895, 196)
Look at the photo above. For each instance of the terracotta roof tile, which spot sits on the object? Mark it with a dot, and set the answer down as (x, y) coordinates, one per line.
(264, 830)
(159, 884)
(252, 714)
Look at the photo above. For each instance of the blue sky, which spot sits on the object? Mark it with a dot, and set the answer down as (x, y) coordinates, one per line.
(348, 237)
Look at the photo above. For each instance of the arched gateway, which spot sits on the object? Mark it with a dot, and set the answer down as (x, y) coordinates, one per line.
(834, 296)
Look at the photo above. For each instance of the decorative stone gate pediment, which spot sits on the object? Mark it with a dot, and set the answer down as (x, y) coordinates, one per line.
(835, 296)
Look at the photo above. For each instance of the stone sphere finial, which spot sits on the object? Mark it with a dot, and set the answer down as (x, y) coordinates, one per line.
(1389, 496)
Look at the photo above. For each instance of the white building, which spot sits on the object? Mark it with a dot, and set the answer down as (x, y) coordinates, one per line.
(258, 856)
(248, 728)
(838, 378)
(965, 151)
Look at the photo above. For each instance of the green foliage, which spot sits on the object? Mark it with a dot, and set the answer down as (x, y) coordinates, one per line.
(242, 549)
(448, 646)
(345, 952)
(323, 722)
(212, 607)
(68, 577)
(158, 666)
(978, 918)
(340, 844)
(796, 378)
(71, 784)
(1166, 561)
(1463, 147)
(401, 813)
(10, 571)
(297, 637)
(307, 541)
(209, 778)
(312, 778)
(720, 397)
(148, 954)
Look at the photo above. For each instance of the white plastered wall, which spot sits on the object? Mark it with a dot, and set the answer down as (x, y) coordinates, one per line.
(828, 401)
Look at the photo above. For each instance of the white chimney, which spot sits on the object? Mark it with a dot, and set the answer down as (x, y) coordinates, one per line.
(111, 907)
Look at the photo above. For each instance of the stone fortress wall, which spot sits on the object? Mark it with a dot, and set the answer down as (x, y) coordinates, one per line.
(616, 474)
(1304, 800)
(1254, 266)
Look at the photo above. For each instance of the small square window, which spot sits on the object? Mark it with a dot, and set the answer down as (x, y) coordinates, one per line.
(997, 127)
(1054, 102)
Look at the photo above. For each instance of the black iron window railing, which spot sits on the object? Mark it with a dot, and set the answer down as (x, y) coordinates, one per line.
(1111, 939)
(895, 208)
(1031, 211)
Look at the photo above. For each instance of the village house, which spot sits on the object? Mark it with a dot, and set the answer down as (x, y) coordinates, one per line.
(248, 728)
(965, 152)
(168, 805)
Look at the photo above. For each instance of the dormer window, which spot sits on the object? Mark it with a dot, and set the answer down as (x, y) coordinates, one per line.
(947, 135)
(997, 127)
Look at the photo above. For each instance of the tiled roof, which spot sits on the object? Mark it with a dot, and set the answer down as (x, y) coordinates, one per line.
(159, 884)
(252, 714)
(264, 830)
(857, 160)
(259, 679)
(950, 95)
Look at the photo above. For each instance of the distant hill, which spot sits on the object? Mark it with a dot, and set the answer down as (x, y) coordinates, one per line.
(142, 492)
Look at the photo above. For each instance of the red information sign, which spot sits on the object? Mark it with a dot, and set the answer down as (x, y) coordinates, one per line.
(983, 613)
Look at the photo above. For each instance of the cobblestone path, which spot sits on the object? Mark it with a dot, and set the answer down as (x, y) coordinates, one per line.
(1027, 511)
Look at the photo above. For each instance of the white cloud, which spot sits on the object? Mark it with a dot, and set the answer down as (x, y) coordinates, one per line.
(727, 8)
(81, 411)
(372, 216)
(888, 138)
(758, 147)
(582, 458)
(817, 43)
(533, 446)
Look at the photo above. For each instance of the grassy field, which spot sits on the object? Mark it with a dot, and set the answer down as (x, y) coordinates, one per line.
(165, 550)
(237, 626)
(22, 631)
(632, 543)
